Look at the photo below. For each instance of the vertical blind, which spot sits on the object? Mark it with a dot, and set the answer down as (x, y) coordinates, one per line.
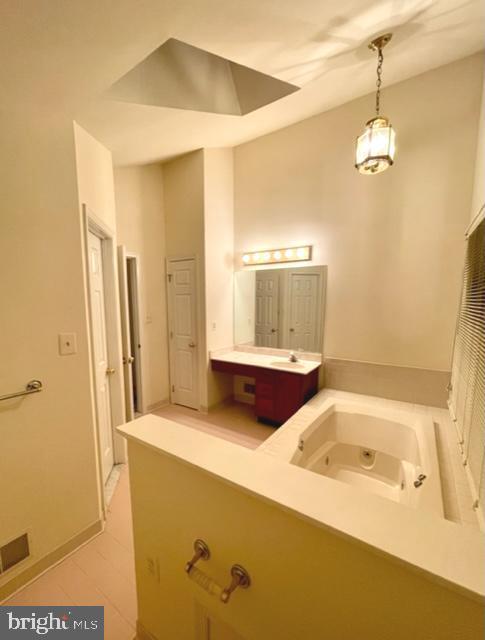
(467, 394)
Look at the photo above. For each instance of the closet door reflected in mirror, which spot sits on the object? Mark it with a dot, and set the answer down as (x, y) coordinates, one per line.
(280, 308)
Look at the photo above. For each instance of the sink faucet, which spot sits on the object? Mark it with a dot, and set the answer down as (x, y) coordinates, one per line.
(293, 357)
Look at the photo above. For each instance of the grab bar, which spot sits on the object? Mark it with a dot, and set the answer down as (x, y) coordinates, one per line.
(34, 386)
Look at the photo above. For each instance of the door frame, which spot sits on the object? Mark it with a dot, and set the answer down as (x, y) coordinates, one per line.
(199, 315)
(91, 223)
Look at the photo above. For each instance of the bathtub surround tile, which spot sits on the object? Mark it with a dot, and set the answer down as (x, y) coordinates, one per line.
(407, 384)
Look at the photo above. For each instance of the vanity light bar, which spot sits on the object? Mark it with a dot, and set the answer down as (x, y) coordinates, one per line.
(290, 254)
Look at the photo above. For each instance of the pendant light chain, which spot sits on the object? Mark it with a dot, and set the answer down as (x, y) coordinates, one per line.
(380, 60)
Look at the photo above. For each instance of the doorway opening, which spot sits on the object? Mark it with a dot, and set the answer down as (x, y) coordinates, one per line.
(129, 278)
(105, 345)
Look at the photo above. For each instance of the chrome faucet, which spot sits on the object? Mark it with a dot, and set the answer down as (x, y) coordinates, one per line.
(293, 357)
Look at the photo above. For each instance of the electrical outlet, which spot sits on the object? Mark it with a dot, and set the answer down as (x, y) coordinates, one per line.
(153, 568)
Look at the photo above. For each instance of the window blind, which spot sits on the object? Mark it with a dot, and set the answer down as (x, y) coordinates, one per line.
(467, 393)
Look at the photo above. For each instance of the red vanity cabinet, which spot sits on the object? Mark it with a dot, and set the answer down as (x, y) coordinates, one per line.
(278, 394)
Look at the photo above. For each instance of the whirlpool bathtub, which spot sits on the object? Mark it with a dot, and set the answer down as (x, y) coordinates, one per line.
(386, 452)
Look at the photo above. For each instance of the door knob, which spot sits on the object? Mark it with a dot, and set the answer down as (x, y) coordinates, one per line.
(110, 371)
(131, 359)
(192, 345)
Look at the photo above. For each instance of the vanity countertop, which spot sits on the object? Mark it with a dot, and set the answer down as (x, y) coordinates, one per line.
(267, 361)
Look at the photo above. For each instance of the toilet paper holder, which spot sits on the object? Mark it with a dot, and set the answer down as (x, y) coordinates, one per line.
(240, 578)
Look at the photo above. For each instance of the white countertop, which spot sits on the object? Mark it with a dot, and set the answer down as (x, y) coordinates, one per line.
(451, 554)
(267, 361)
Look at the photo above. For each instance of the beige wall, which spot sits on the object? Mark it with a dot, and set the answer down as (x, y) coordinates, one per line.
(393, 242)
(95, 177)
(183, 203)
(219, 262)
(198, 206)
(47, 451)
(141, 229)
(308, 582)
(478, 197)
(96, 197)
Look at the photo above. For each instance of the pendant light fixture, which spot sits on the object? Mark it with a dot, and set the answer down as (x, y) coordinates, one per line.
(377, 145)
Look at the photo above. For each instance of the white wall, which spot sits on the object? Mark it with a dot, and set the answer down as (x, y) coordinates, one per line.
(141, 229)
(95, 177)
(478, 197)
(96, 199)
(244, 307)
(393, 242)
(219, 261)
(183, 203)
(47, 451)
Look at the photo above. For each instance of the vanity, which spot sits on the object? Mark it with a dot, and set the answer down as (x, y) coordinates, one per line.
(281, 386)
(278, 309)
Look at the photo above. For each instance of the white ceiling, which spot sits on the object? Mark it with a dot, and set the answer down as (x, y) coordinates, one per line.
(60, 56)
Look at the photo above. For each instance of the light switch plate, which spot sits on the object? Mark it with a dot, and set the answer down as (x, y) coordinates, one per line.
(67, 344)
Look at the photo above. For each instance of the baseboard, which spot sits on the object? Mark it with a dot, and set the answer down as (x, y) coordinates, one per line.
(142, 633)
(47, 562)
(158, 405)
(407, 384)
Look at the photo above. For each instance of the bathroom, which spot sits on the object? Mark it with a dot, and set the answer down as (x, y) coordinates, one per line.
(387, 264)
(271, 427)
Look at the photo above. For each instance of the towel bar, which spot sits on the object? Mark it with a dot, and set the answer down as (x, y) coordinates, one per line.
(34, 386)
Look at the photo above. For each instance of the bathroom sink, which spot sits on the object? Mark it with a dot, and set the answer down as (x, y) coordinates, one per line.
(286, 364)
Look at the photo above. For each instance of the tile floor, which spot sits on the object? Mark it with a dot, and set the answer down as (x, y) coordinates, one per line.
(102, 571)
(233, 421)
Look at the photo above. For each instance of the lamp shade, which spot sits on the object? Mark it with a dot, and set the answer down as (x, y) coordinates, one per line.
(376, 146)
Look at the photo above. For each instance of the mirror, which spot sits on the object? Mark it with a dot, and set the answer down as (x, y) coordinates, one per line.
(280, 308)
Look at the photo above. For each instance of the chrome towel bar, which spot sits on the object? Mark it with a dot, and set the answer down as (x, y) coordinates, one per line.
(34, 386)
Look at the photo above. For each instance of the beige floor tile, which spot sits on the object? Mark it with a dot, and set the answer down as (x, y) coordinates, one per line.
(45, 591)
(233, 421)
(119, 591)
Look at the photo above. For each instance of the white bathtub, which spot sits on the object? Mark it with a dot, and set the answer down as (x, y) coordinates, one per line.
(386, 452)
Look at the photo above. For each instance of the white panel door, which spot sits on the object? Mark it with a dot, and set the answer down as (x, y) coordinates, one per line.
(266, 329)
(184, 350)
(100, 353)
(303, 317)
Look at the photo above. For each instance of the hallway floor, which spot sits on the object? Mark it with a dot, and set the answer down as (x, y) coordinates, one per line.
(102, 572)
(233, 421)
